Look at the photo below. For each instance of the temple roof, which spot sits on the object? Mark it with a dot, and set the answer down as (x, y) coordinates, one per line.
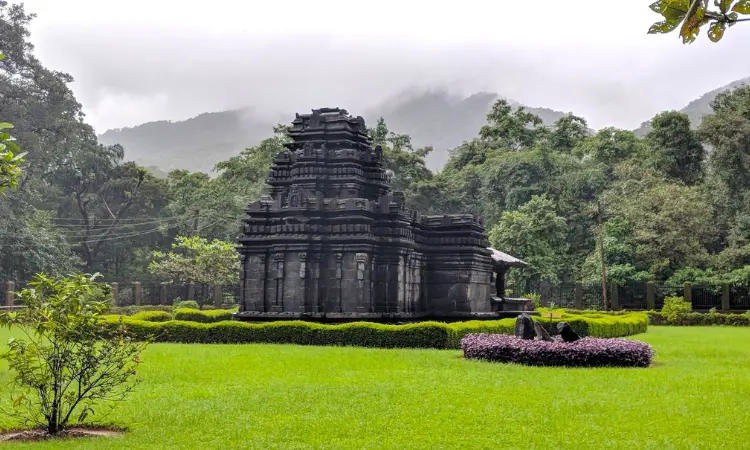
(506, 259)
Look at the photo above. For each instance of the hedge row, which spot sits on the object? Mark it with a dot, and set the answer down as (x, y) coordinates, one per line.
(700, 319)
(133, 309)
(363, 334)
(586, 352)
(205, 316)
(153, 316)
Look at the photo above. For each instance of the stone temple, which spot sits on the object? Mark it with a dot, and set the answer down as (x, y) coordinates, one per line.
(331, 240)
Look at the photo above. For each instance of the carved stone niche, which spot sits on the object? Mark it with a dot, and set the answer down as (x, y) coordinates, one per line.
(361, 259)
(278, 258)
(339, 258)
(302, 265)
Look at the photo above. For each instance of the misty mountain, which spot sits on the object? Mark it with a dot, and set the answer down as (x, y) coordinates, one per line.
(442, 120)
(698, 107)
(195, 144)
(432, 118)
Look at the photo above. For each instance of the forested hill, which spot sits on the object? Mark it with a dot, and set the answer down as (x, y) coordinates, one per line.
(698, 107)
(195, 144)
(433, 118)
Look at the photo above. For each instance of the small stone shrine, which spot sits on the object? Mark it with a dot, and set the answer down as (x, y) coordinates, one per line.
(332, 240)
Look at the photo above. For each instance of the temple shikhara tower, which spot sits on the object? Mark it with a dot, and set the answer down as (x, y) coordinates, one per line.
(331, 238)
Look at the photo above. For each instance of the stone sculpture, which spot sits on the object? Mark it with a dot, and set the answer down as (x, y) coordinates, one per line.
(541, 332)
(525, 327)
(567, 333)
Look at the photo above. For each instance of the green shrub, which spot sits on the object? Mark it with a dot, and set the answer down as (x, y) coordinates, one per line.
(365, 334)
(152, 316)
(536, 298)
(207, 316)
(132, 309)
(675, 307)
(699, 319)
(185, 304)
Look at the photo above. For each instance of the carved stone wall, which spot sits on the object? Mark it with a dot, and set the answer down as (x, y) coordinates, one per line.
(330, 237)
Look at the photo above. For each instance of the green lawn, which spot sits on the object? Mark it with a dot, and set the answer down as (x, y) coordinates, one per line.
(274, 396)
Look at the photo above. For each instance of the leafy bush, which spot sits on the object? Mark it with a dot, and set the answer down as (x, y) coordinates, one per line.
(153, 316)
(700, 319)
(586, 352)
(70, 360)
(208, 316)
(536, 298)
(365, 334)
(185, 304)
(675, 307)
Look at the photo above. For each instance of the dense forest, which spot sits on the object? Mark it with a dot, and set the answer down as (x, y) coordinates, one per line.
(670, 204)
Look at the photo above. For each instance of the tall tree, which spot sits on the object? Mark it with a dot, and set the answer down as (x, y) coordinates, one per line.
(9, 162)
(567, 132)
(534, 233)
(102, 189)
(727, 130)
(512, 129)
(675, 148)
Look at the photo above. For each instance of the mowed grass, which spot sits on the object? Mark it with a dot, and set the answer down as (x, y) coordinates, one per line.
(697, 395)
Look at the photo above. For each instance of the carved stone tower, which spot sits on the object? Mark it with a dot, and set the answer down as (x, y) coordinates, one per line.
(331, 239)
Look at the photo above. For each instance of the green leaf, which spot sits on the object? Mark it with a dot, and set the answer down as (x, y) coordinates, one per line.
(5, 125)
(742, 7)
(663, 27)
(716, 31)
(692, 25)
(724, 5)
(732, 19)
(672, 10)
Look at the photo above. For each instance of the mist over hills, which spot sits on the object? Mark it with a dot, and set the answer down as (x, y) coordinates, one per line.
(433, 118)
(698, 107)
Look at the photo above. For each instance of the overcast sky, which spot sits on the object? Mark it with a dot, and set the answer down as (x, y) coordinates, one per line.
(141, 60)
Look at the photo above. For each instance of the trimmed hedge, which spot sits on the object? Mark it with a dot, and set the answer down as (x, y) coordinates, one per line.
(207, 316)
(586, 352)
(152, 316)
(700, 319)
(133, 309)
(363, 334)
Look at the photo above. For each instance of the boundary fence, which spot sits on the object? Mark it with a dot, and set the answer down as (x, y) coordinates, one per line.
(135, 293)
(634, 295)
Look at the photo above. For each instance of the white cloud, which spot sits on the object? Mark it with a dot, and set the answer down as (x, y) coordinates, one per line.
(140, 60)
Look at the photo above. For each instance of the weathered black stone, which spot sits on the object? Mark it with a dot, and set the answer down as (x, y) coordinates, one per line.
(541, 332)
(525, 327)
(331, 237)
(567, 333)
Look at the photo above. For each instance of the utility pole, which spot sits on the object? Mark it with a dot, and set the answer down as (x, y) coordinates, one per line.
(601, 252)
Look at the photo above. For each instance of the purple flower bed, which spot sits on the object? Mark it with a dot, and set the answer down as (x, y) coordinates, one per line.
(586, 352)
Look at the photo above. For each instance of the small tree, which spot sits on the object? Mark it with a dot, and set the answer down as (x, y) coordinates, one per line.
(196, 260)
(71, 360)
